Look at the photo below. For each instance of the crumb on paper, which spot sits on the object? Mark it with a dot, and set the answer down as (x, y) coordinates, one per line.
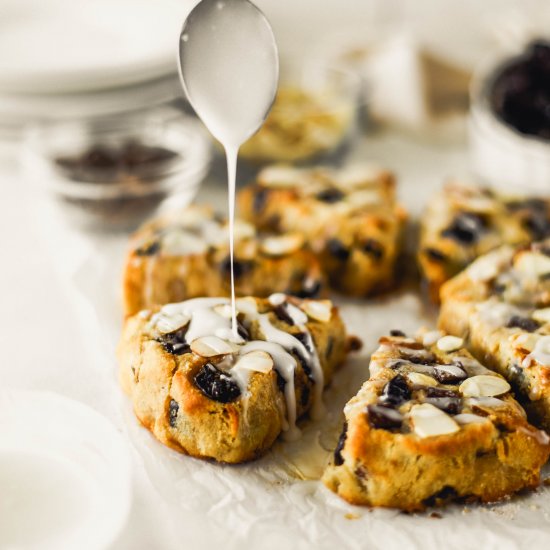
(436, 515)
(466, 510)
(351, 516)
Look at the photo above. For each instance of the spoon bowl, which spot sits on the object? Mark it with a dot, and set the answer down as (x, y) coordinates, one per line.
(229, 67)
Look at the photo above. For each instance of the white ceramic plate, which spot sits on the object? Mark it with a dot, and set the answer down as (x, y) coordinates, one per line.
(64, 474)
(74, 45)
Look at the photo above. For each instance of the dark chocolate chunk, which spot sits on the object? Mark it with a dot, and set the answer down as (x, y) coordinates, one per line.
(384, 418)
(524, 323)
(395, 392)
(330, 195)
(242, 330)
(216, 385)
(173, 409)
(338, 249)
(397, 333)
(304, 398)
(466, 228)
(373, 248)
(338, 458)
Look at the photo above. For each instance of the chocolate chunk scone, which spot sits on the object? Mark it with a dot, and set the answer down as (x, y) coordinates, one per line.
(463, 222)
(349, 217)
(186, 255)
(431, 425)
(211, 393)
(501, 304)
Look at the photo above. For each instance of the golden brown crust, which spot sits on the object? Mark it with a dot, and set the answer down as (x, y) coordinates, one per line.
(400, 466)
(350, 219)
(497, 315)
(159, 270)
(168, 401)
(463, 222)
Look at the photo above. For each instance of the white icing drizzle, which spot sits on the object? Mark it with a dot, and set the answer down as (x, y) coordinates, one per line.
(207, 318)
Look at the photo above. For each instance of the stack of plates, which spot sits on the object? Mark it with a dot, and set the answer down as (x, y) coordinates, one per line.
(67, 58)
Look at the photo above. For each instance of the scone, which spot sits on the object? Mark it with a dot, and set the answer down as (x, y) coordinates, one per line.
(349, 217)
(431, 425)
(501, 304)
(210, 393)
(186, 255)
(463, 221)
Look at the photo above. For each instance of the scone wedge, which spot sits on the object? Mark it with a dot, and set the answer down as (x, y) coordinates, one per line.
(501, 305)
(210, 393)
(186, 255)
(464, 221)
(349, 217)
(431, 425)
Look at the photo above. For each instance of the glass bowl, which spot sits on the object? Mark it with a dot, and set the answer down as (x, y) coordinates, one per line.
(109, 173)
(314, 114)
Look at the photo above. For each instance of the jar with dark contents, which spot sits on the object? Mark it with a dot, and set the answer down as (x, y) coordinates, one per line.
(510, 121)
(112, 173)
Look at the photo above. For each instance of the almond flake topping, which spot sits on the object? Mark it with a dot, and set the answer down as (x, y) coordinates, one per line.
(212, 346)
(430, 421)
(484, 385)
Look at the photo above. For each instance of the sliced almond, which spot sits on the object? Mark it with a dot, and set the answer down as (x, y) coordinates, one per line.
(359, 175)
(283, 244)
(430, 421)
(247, 305)
(468, 418)
(211, 346)
(488, 266)
(281, 176)
(257, 361)
(419, 379)
(166, 324)
(532, 263)
(363, 198)
(484, 385)
(450, 343)
(223, 310)
(320, 310)
(525, 340)
(178, 242)
(430, 338)
(542, 315)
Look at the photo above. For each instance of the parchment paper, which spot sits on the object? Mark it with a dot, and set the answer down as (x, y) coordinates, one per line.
(277, 502)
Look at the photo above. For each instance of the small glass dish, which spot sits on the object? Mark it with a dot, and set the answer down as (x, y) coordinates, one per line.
(502, 156)
(314, 115)
(109, 173)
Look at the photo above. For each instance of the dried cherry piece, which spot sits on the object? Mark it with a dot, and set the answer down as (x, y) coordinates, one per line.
(384, 418)
(338, 458)
(373, 248)
(149, 249)
(466, 228)
(175, 342)
(338, 249)
(524, 323)
(330, 195)
(216, 385)
(395, 392)
(173, 409)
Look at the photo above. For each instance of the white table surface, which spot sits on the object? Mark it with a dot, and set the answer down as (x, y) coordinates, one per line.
(43, 340)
